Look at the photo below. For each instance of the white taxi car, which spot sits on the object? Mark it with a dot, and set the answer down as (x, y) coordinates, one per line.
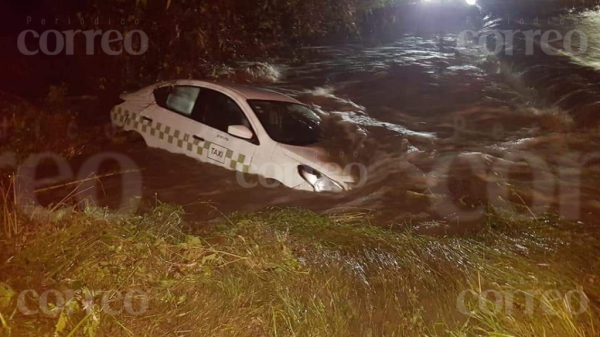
(241, 128)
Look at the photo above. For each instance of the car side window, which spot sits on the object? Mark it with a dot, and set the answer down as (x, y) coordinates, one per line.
(219, 111)
(179, 99)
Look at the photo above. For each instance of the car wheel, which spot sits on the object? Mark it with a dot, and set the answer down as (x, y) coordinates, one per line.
(273, 183)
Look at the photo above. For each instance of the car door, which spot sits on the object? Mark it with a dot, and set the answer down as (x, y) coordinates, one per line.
(170, 125)
(217, 111)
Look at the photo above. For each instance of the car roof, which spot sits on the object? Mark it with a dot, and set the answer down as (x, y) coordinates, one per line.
(246, 91)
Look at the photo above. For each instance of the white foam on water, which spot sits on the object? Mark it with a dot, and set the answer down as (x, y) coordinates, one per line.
(262, 72)
(351, 112)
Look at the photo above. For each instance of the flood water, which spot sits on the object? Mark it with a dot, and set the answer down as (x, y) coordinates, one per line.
(443, 129)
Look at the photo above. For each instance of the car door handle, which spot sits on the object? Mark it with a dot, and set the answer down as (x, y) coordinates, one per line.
(148, 119)
(198, 138)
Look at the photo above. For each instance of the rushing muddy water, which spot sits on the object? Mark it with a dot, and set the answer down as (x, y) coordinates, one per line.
(442, 129)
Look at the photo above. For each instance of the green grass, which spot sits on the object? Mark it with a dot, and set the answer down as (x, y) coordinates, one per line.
(294, 273)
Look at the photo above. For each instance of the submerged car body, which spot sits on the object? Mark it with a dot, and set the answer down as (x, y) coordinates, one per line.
(241, 128)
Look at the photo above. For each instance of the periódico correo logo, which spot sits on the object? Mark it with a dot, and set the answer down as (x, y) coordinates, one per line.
(65, 41)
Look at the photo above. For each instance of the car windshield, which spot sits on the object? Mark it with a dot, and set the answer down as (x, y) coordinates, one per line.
(288, 123)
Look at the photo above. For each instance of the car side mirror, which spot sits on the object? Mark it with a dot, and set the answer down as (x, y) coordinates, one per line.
(161, 95)
(240, 131)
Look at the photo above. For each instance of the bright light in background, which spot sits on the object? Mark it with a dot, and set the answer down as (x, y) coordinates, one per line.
(469, 2)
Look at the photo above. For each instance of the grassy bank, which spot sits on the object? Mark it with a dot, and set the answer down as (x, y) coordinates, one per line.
(294, 273)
